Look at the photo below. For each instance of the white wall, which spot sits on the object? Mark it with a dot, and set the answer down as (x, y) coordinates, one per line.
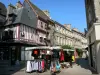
(97, 31)
(92, 34)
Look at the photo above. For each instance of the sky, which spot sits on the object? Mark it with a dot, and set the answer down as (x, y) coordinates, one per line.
(63, 11)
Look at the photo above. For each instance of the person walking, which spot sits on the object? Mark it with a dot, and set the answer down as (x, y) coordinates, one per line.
(53, 69)
(70, 60)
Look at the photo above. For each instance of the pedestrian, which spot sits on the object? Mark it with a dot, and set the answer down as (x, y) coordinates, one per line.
(78, 60)
(53, 69)
(70, 61)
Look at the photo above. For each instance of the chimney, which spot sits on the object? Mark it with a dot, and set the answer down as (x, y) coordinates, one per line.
(19, 4)
(75, 29)
(47, 13)
(67, 26)
(10, 9)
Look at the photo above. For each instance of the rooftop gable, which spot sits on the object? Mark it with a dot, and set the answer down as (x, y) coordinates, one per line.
(38, 11)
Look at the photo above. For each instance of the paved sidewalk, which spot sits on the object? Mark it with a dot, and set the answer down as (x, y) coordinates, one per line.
(82, 69)
(76, 70)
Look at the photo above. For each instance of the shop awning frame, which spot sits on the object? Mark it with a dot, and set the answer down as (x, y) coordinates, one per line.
(44, 48)
(68, 50)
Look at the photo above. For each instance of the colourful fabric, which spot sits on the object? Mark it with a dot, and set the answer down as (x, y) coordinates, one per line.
(42, 64)
(35, 52)
(62, 56)
(73, 58)
(57, 67)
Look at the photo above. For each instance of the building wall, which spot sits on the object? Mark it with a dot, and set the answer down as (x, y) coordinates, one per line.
(41, 25)
(97, 32)
(97, 57)
(32, 35)
(97, 9)
(66, 36)
(93, 25)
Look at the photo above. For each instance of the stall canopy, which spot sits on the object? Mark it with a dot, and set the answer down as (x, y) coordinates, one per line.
(44, 47)
(56, 47)
(39, 47)
(68, 49)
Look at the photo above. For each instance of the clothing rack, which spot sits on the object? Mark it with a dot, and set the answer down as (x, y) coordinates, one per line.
(54, 60)
(35, 66)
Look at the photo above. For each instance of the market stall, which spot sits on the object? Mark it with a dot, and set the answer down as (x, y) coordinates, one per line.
(43, 58)
(39, 61)
(55, 58)
(69, 52)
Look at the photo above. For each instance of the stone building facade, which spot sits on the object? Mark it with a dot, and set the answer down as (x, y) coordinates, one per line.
(93, 29)
(65, 35)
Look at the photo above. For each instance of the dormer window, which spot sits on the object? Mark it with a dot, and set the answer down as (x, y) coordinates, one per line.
(11, 18)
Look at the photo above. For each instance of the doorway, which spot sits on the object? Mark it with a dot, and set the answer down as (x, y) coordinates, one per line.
(4, 53)
(4, 56)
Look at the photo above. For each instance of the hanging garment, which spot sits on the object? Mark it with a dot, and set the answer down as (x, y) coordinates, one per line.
(35, 53)
(33, 65)
(55, 54)
(62, 56)
(29, 66)
(57, 66)
(39, 66)
(42, 64)
(36, 65)
(51, 66)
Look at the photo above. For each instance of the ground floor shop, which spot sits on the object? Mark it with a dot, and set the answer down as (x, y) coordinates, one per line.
(11, 54)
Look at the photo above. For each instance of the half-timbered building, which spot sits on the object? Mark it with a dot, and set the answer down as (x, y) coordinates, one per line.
(26, 25)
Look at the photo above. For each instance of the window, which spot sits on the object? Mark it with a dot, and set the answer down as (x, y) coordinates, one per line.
(35, 31)
(41, 25)
(44, 39)
(45, 26)
(56, 27)
(41, 39)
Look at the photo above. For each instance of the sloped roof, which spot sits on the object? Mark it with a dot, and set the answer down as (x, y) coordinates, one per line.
(39, 12)
(59, 24)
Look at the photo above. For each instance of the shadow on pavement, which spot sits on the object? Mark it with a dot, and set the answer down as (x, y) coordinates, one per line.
(11, 69)
(84, 64)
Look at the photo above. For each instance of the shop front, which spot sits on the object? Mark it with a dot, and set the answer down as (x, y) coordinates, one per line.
(9, 55)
